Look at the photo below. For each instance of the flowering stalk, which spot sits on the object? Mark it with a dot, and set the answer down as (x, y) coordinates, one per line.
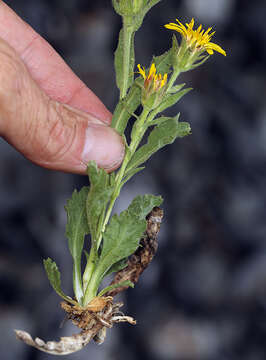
(115, 238)
(155, 92)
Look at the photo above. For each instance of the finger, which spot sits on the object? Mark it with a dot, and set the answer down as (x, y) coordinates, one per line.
(47, 68)
(51, 134)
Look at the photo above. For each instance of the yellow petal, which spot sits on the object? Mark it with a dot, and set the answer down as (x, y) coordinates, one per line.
(212, 46)
(142, 72)
(152, 71)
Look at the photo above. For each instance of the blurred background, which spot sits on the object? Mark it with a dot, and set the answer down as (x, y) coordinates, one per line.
(204, 296)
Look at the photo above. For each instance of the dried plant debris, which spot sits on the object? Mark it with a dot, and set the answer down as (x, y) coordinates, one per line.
(144, 254)
(102, 312)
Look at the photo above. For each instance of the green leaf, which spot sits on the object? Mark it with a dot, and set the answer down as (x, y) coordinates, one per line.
(120, 54)
(184, 129)
(171, 100)
(76, 229)
(98, 197)
(161, 119)
(163, 62)
(174, 89)
(115, 286)
(141, 15)
(163, 134)
(121, 239)
(55, 279)
(142, 205)
(125, 108)
(120, 265)
(123, 233)
(130, 174)
(202, 61)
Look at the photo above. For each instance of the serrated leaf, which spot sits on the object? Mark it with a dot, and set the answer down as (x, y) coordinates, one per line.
(98, 197)
(121, 239)
(55, 279)
(171, 100)
(123, 233)
(162, 134)
(125, 108)
(121, 81)
(115, 286)
(142, 205)
(76, 229)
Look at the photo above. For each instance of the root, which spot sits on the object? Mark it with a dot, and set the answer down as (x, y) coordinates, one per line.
(93, 325)
(101, 313)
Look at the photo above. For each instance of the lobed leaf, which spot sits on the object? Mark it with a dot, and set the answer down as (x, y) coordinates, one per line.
(142, 205)
(76, 229)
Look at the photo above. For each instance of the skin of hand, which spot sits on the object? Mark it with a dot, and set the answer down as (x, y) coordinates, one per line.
(46, 112)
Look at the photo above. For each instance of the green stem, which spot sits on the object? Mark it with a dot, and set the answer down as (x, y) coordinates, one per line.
(137, 133)
(173, 78)
(91, 262)
(128, 31)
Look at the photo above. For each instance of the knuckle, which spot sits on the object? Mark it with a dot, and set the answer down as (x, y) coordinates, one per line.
(62, 133)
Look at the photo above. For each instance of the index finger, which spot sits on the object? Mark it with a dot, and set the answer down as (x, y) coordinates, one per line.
(46, 67)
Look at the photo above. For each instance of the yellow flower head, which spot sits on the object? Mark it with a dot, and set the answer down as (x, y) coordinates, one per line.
(197, 39)
(152, 81)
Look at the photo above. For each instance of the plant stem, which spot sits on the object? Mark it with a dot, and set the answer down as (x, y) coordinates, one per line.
(173, 78)
(132, 148)
(91, 262)
(137, 134)
(128, 30)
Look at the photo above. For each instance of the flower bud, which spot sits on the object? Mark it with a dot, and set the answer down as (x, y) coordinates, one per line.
(154, 86)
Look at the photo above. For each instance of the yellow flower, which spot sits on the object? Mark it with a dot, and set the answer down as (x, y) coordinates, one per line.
(154, 86)
(152, 82)
(197, 39)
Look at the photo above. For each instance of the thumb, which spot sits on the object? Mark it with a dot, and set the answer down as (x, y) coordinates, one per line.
(49, 133)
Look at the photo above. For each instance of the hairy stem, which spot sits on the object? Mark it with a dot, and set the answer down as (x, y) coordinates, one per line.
(128, 31)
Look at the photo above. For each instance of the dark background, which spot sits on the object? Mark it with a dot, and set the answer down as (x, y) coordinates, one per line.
(204, 296)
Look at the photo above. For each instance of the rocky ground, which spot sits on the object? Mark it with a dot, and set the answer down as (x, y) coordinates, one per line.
(204, 296)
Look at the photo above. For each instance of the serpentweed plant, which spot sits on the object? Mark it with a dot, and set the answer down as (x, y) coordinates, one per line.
(114, 238)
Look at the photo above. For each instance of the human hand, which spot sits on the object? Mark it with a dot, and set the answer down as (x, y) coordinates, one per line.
(46, 112)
